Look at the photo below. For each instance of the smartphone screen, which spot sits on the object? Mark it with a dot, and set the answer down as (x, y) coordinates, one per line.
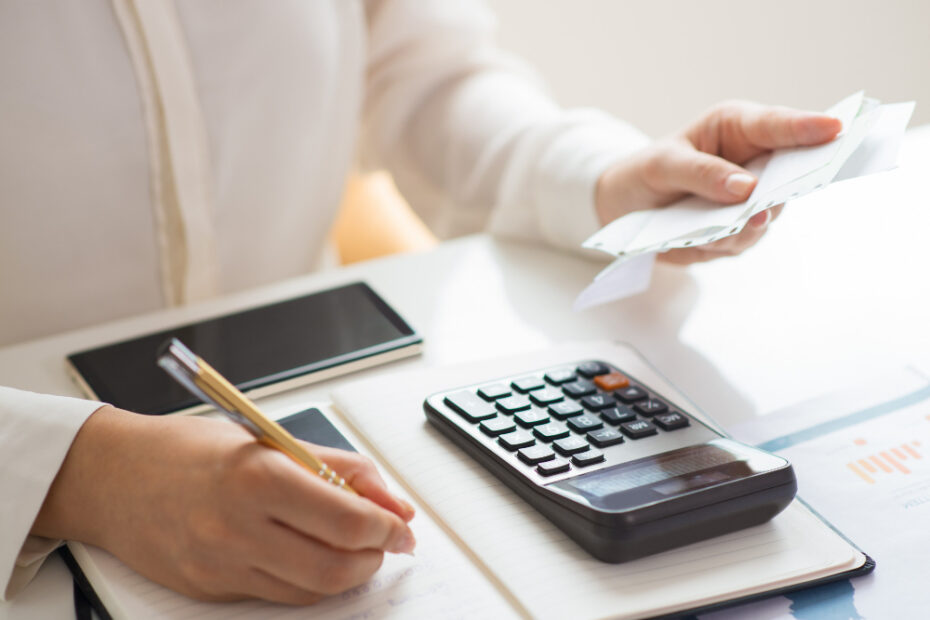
(252, 349)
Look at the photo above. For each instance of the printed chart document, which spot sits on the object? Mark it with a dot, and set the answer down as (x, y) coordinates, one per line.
(868, 143)
(863, 462)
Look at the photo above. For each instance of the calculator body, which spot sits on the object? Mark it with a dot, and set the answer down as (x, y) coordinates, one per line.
(618, 467)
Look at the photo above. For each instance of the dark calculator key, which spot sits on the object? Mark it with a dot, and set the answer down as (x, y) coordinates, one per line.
(617, 415)
(527, 384)
(638, 429)
(516, 440)
(470, 407)
(555, 466)
(650, 407)
(605, 437)
(671, 421)
(570, 445)
(536, 454)
(631, 394)
(584, 423)
(493, 392)
(596, 402)
(513, 403)
(588, 457)
(579, 388)
(558, 377)
(612, 381)
(550, 431)
(546, 396)
(531, 417)
(497, 426)
(592, 369)
(566, 409)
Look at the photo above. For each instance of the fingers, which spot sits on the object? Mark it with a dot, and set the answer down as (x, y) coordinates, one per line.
(740, 130)
(730, 246)
(318, 509)
(361, 474)
(310, 565)
(678, 168)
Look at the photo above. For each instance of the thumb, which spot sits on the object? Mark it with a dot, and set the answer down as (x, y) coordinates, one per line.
(682, 169)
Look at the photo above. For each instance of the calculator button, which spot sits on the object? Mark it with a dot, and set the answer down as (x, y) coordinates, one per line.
(470, 406)
(563, 375)
(617, 415)
(584, 423)
(605, 437)
(516, 440)
(513, 403)
(493, 392)
(570, 445)
(611, 381)
(555, 466)
(531, 417)
(631, 394)
(566, 409)
(550, 431)
(650, 407)
(588, 457)
(671, 421)
(536, 454)
(592, 369)
(638, 429)
(580, 388)
(546, 396)
(596, 402)
(497, 426)
(527, 384)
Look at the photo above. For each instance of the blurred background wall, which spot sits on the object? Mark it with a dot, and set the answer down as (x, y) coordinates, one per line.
(659, 63)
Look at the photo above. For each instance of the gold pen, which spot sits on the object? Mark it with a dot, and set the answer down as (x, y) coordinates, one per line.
(212, 388)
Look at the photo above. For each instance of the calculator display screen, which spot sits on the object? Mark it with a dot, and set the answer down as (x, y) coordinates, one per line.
(669, 474)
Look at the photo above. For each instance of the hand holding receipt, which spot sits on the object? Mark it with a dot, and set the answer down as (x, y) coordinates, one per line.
(210, 386)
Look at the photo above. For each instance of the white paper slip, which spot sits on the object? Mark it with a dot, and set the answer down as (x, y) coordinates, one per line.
(619, 279)
(868, 142)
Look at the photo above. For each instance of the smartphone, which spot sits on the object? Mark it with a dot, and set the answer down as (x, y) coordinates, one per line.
(262, 351)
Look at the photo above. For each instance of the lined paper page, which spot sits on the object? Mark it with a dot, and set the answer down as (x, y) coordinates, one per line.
(545, 570)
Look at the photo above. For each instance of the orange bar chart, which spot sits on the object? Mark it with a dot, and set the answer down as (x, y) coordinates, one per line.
(885, 461)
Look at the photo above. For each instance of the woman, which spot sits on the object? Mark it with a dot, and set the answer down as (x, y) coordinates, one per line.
(156, 153)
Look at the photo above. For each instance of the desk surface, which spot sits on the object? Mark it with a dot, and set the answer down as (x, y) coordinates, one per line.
(833, 295)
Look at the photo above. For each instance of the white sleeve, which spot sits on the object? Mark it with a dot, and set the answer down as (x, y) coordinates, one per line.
(470, 137)
(35, 435)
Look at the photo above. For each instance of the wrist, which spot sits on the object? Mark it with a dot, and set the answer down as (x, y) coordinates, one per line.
(73, 507)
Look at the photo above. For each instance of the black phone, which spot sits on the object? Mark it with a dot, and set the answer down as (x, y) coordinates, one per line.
(262, 351)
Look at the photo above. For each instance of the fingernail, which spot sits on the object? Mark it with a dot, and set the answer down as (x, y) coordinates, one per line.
(405, 544)
(409, 510)
(739, 183)
(759, 220)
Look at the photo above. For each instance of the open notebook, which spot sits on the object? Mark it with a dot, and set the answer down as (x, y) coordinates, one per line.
(483, 552)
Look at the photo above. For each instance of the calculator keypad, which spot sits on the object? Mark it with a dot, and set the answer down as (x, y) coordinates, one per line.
(569, 418)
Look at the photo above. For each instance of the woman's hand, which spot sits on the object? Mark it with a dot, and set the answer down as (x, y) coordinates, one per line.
(705, 160)
(198, 505)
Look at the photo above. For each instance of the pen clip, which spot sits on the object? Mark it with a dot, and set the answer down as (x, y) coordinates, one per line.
(183, 365)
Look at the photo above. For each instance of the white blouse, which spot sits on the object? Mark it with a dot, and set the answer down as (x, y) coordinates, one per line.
(155, 153)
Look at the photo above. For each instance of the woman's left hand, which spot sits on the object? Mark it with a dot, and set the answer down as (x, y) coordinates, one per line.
(706, 160)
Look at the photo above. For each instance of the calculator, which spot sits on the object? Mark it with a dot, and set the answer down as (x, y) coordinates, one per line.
(620, 468)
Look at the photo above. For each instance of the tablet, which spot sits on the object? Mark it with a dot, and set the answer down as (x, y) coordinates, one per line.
(262, 351)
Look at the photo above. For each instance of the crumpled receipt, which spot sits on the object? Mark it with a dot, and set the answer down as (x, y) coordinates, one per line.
(869, 142)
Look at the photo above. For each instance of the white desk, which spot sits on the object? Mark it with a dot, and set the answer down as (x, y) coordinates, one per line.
(834, 294)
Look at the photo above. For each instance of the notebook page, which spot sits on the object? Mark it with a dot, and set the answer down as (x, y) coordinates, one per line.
(439, 582)
(546, 571)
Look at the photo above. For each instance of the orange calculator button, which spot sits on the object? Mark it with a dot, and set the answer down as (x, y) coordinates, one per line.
(611, 381)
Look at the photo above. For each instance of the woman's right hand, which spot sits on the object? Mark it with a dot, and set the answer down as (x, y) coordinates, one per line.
(198, 505)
